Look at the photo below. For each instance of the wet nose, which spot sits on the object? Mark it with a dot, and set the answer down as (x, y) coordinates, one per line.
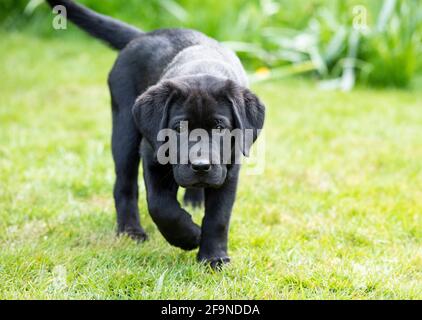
(201, 166)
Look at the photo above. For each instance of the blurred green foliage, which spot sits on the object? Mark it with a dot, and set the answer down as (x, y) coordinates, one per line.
(341, 42)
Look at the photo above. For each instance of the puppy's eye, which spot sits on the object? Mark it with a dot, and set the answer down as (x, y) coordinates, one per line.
(219, 126)
(179, 127)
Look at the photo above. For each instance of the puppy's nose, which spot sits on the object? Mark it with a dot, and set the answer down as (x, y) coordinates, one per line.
(201, 165)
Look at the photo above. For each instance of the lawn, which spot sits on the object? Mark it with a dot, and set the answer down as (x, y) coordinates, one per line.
(336, 214)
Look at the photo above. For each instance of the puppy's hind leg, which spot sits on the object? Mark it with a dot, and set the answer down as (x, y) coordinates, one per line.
(194, 197)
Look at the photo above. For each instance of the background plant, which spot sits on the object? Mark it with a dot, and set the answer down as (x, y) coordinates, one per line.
(277, 38)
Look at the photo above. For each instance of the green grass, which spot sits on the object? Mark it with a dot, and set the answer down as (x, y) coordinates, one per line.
(335, 215)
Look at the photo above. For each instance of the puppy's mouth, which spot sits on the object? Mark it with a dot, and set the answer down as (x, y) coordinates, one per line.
(200, 185)
(186, 178)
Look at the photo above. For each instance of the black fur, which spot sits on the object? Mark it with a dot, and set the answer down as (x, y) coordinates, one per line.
(159, 77)
(194, 197)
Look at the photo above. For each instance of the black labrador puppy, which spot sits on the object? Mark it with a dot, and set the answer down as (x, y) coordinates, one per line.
(159, 80)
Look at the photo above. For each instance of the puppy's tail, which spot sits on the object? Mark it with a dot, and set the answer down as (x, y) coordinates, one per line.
(115, 33)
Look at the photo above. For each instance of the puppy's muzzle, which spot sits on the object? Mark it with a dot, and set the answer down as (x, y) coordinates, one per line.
(201, 166)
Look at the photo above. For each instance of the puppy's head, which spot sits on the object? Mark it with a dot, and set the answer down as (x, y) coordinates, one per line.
(199, 111)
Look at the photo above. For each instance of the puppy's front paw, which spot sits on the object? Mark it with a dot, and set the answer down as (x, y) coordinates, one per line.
(137, 234)
(187, 241)
(216, 262)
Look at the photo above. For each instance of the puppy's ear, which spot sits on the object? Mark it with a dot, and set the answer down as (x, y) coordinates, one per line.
(248, 112)
(151, 110)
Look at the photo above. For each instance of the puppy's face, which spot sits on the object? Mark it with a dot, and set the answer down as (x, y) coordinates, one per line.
(200, 112)
(200, 121)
